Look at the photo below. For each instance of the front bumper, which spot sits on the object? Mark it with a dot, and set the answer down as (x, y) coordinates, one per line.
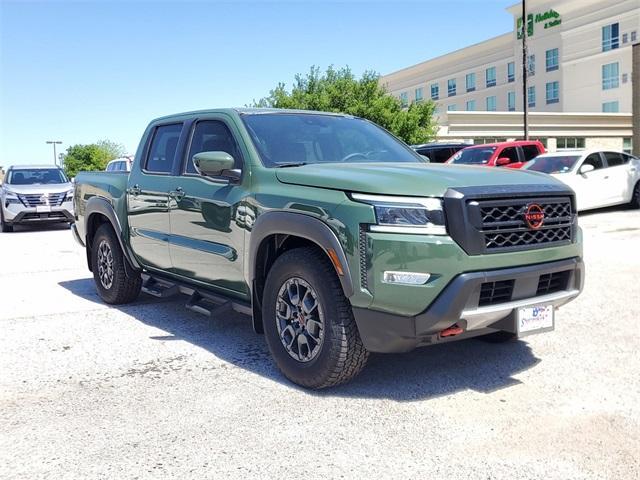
(32, 215)
(458, 303)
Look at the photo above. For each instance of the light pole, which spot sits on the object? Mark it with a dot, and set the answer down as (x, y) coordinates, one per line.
(54, 143)
(525, 67)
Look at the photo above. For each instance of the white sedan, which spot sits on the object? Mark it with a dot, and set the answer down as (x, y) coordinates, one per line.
(599, 178)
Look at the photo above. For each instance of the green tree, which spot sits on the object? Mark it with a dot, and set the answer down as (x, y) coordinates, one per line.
(340, 91)
(94, 156)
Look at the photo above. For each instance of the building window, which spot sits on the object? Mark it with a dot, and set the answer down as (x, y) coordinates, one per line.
(531, 65)
(569, 143)
(552, 59)
(491, 103)
(471, 106)
(471, 82)
(511, 101)
(531, 96)
(611, 107)
(634, 36)
(610, 76)
(553, 92)
(625, 38)
(625, 78)
(610, 37)
(419, 96)
(482, 140)
(490, 77)
(435, 91)
(627, 145)
(511, 72)
(404, 99)
(452, 108)
(451, 87)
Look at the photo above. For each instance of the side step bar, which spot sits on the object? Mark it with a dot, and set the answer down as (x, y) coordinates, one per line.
(200, 301)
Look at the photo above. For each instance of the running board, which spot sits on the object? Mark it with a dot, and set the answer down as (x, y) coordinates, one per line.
(200, 300)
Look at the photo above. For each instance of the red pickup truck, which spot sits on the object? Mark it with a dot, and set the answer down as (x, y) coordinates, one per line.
(504, 154)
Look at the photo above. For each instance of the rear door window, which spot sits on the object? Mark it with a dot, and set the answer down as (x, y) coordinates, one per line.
(614, 159)
(530, 152)
(162, 152)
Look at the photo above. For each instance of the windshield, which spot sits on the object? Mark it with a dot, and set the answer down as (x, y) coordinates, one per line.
(36, 176)
(555, 164)
(289, 139)
(473, 156)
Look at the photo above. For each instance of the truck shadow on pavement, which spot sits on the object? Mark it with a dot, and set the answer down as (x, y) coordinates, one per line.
(422, 374)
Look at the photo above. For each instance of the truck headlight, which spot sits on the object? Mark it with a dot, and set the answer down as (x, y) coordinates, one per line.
(68, 196)
(406, 214)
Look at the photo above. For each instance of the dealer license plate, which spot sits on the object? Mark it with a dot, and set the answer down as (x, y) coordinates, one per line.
(535, 319)
(43, 209)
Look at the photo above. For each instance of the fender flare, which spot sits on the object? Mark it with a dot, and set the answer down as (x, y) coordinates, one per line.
(101, 206)
(299, 225)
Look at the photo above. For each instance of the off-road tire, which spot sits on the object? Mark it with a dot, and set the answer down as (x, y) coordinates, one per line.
(635, 197)
(498, 337)
(4, 226)
(342, 354)
(124, 288)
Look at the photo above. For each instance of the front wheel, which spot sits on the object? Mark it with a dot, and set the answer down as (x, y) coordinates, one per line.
(308, 322)
(4, 226)
(113, 283)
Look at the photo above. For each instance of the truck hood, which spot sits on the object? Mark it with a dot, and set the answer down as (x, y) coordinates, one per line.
(41, 188)
(412, 179)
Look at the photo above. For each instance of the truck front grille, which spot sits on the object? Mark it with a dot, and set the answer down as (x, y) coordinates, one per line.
(504, 226)
(39, 199)
(495, 292)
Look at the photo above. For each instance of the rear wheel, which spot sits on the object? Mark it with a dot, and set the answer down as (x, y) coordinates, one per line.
(113, 283)
(4, 226)
(308, 322)
(635, 197)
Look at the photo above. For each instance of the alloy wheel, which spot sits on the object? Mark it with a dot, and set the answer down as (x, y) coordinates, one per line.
(105, 264)
(300, 319)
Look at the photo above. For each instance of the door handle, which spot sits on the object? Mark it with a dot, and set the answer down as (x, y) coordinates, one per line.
(135, 190)
(178, 193)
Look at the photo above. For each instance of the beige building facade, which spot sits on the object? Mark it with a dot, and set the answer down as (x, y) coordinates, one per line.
(579, 61)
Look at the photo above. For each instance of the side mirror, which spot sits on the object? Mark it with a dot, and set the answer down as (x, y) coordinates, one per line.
(212, 164)
(502, 161)
(585, 168)
(425, 158)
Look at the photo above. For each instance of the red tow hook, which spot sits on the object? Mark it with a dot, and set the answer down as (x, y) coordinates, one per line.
(451, 331)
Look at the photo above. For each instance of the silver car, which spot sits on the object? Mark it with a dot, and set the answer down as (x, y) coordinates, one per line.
(34, 194)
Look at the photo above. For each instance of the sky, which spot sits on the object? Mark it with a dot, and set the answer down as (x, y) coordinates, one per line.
(83, 71)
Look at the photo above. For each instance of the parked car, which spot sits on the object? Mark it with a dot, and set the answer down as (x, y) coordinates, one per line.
(337, 238)
(599, 178)
(119, 165)
(35, 194)
(438, 152)
(504, 154)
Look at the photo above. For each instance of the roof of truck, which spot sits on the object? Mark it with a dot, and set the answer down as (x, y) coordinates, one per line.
(249, 111)
(32, 167)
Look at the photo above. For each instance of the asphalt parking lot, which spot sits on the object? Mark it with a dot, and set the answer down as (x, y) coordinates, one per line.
(151, 390)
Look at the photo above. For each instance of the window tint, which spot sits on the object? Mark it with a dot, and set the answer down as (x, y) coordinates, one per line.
(163, 148)
(212, 136)
(439, 155)
(530, 152)
(511, 153)
(626, 158)
(613, 159)
(595, 160)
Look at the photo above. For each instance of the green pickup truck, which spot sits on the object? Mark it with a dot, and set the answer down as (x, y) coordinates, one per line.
(334, 236)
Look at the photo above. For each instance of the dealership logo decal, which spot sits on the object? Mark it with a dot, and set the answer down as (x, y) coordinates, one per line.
(534, 216)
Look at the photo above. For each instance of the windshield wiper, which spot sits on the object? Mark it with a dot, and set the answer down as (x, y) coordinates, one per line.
(291, 164)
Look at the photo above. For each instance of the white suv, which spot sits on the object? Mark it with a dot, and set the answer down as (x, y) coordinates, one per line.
(34, 194)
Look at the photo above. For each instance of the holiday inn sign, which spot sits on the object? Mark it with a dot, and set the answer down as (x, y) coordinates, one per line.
(549, 19)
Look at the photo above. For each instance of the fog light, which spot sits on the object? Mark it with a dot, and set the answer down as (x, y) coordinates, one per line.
(407, 278)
